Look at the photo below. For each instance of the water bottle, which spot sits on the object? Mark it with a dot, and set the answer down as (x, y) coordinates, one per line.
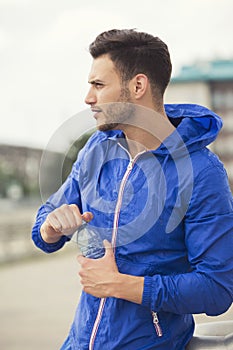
(89, 241)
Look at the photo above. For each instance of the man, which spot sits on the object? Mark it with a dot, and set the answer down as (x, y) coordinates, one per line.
(157, 197)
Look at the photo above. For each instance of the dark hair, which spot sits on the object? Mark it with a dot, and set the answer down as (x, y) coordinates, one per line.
(135, 52)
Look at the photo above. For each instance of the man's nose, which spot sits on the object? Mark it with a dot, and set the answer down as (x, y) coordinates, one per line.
(90, 98)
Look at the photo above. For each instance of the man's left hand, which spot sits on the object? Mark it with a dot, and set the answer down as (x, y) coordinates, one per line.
(99, 277)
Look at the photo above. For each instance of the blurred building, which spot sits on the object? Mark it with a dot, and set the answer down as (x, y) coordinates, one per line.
(210, 84)
(20, 169)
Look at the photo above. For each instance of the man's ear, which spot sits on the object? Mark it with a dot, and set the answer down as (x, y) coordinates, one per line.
(140, 85)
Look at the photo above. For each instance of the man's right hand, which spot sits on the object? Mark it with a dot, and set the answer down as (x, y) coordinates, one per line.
(64, 220)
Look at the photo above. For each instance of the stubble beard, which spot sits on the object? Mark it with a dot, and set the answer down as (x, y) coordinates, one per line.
(118, 112)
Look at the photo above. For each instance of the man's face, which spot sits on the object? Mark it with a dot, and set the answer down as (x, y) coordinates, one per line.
(105, 93)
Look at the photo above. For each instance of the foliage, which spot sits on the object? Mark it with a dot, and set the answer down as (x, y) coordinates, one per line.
(72, 153)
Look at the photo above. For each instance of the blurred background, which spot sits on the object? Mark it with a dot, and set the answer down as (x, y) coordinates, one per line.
(44, 65)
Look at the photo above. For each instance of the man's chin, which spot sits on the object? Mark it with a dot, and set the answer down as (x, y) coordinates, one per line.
(108, 127)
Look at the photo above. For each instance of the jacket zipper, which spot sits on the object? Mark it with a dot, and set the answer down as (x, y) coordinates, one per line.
(113, 242)
(156, 324)
(97, 322)
(119, 202)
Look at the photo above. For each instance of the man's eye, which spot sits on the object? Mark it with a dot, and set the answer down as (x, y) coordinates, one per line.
(98, 85)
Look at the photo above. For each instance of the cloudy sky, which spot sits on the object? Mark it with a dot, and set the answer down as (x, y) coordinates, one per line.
(44, 61)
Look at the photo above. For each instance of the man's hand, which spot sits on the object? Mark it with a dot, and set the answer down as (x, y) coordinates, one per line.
(64, 220)
(101, 278)
(98, 276)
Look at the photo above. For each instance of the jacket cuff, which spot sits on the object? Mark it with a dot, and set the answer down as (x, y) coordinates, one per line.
(40, 243)
(52, 247)
(147, 291)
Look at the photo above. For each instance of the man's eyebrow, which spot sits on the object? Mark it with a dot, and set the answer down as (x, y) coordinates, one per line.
(94, 81)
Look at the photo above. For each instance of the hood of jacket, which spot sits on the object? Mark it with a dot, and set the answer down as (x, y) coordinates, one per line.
(196, 127)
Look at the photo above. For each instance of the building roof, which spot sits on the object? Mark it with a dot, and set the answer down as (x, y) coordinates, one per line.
(215, 70)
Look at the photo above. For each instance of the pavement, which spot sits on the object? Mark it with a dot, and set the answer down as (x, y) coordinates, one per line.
(39, 298)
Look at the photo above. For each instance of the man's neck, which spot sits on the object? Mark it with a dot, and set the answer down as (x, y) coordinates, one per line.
(139, 140)
(147, 130)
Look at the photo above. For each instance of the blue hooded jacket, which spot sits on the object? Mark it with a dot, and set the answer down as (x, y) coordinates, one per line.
(169, 215)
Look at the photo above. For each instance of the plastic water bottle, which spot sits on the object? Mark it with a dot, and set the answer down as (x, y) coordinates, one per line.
(89, 241)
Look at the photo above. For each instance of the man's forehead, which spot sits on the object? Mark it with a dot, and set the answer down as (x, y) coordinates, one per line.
(101, 68)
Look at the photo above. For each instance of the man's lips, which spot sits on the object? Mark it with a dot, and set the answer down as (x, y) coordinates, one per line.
(96, 111)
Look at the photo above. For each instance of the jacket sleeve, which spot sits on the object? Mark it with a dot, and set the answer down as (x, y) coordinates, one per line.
(68, 193)
(208, 225)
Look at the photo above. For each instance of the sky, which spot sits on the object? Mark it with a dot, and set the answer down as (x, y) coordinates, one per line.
(44, 59)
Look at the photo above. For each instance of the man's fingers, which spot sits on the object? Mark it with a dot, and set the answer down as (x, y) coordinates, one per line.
(83, 261)
(76, 215)
(67, 218)
(87, 216)
(54, 222)
(73, 217)
(80, 259)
